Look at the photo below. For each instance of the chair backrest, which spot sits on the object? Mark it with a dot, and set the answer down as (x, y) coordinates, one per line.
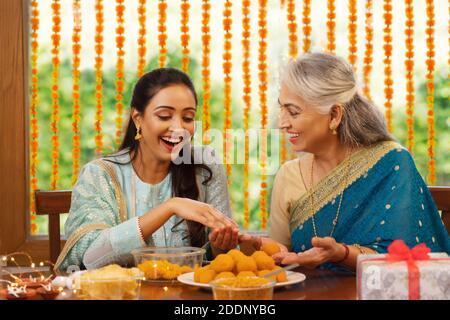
(441, 196)
(53, 203)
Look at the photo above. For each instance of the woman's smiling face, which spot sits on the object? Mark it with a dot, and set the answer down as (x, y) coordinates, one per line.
(307, 130)
(168, 122)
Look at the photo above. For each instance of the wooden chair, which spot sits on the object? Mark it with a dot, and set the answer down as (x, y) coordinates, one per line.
(53, 204)
(441, 196)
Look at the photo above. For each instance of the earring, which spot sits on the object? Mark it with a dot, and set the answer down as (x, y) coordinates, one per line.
(333, 130)
(138, 135)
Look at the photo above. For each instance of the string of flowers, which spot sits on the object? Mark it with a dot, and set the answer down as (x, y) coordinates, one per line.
(76, 49)
(430, 90)
(98, 76)
(331, 26)
(162, 37)
(352, 32)
(292, 27)
(409, 63)
(142, 42)
(34, 132)
(368, 54)
(246, 33)
(120, 66)
(56, 39)
(262, 66)
(306, 25)
(206, 50)
(185, 35)
(388, 80)
(227, 65)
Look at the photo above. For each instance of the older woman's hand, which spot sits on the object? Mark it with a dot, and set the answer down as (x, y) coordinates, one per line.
(259, 242)
(323, 250)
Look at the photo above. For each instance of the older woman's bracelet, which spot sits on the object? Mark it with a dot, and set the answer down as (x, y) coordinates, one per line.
(347, 252)
(361, 250)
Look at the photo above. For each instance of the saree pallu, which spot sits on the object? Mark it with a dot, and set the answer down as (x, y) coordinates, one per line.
(384, 198)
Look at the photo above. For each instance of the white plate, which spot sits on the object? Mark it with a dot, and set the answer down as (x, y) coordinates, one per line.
(292, 277)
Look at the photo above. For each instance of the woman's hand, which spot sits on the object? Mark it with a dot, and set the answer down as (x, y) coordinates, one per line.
(201, 212)
(323, 250)
(225, 238)
(259, 242)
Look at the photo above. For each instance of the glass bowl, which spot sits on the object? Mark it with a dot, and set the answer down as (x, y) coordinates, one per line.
(245, 288)
(165, 264)
(96, 285)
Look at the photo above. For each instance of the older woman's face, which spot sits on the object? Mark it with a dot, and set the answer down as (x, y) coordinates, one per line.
(168, 122)
(306, 129)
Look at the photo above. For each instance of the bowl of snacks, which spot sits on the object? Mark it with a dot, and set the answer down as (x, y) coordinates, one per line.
(167, 263)
(109, 283)
(243, 288)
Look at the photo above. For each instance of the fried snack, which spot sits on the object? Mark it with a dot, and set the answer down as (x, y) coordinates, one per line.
(225, 274)
(110, 283)
(222, 263)
(243, 288)
(247, 274)
(263, 261)
(282, 276)
(204, 275)
(246, 264)
(236, 254)
(262, 273)
(162, 269)
(271, 248)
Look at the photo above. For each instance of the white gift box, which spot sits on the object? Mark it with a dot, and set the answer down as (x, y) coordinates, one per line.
(380, 279)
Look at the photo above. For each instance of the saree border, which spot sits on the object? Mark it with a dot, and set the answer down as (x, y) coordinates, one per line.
(334, 183)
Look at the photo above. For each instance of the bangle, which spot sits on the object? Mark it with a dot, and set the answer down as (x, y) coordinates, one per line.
(361, 250)
(347, 252)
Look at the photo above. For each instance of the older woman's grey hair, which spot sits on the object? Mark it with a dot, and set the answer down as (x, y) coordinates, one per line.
(323, 80)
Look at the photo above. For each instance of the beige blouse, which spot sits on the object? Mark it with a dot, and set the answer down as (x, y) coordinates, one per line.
(287, 188)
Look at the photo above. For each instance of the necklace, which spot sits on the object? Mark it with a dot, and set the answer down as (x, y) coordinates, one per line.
(336, 218)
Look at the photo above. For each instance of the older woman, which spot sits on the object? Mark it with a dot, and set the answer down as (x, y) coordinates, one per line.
(355, 189)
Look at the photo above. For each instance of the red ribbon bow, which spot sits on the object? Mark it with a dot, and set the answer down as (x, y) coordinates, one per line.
(399, 251)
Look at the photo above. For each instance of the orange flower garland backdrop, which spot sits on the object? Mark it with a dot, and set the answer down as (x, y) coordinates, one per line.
(247, 98)
(331, 26)
(142, 42)
(206, 38)
(368, 53)
(120, 68)
(409, 64)
(388, 80)
(430, 91)
(34, 127)
(185, 34)
(227, 23)
(352, 32)
(162, 38)
(56, 39)
(76, 49)
(98, 76)
(306, 25)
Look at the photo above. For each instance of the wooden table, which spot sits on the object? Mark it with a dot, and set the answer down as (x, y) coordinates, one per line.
(319, 285)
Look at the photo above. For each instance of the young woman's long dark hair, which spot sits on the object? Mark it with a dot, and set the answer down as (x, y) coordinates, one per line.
(183, 175)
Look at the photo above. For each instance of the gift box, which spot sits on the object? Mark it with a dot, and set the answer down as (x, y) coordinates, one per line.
(404, 274)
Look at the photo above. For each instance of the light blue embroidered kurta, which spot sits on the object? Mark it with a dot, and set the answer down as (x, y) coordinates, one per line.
(94, 201)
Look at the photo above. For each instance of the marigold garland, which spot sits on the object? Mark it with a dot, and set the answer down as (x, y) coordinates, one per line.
(246, 33)
(34, 132)
(142, 39)
(98, 76)
(388, 80)
(352, 32)
(262, 66)
(430, 90)
(162, 36)
(409, 63)
(206, 50)
(120, 66)
(292, 28)
(185, 35)
(306, 25)
(54, 120)
(227, 65)
(76, 49)
(331, 26)
(368, 54)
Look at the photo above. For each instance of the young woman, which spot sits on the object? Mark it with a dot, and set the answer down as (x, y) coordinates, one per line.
(151, 192)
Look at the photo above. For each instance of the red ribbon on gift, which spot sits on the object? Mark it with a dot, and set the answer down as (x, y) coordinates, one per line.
(399, 251)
